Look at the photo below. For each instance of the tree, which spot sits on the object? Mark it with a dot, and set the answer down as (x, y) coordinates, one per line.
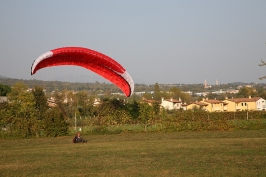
(246, 92)
(157, 92)
(261, 92)
(82, 103)
(54, 123)
(59, 101)
(41, 105)
(146, 115)
(133, 109)
(156, 107)
(4, 90)
(147, 96)
(176, 93)
(112, 112)
(22, 111)
(263, 63)
(4, 115)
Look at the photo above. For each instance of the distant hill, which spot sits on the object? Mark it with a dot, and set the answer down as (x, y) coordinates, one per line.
(102, 87)
(59, 85)
(241, 83)
(3, 77)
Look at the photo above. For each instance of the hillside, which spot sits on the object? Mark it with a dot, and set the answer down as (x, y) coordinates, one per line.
(2, 77)
(102, 87)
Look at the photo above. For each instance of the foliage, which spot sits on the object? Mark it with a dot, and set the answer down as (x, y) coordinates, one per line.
(4, 90)
(157, 92)
(176, 93)
(54, 123)
(22, 121)
(146, 115)
(26, 114)
(41, 105)
(263, 63)
(96, 88)
(133, 109)
(245, 92)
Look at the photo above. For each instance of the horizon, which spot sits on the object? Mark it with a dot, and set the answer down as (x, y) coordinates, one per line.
(108, 82)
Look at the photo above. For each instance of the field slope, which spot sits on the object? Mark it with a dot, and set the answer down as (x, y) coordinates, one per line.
(230, 153)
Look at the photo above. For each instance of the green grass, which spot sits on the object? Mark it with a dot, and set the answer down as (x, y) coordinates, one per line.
(229, 153)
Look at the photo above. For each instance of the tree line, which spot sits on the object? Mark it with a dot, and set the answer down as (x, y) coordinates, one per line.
(28, 114)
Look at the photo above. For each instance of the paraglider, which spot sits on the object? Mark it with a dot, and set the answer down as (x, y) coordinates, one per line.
(90, 59)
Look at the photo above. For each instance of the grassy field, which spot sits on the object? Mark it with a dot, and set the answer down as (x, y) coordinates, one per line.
(229, 153)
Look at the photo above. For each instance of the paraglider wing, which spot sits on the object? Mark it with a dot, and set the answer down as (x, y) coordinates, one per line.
(90, 59)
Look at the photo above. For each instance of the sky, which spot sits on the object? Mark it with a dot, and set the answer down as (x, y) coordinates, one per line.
(170, 41)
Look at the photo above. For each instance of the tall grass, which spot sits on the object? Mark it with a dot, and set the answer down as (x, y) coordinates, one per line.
(204, 153)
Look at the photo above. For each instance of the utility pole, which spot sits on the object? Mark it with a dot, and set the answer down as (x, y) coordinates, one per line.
(247, 111)
(75, 122)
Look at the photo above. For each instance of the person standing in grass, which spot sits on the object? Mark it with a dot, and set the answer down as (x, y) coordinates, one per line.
(78, 139)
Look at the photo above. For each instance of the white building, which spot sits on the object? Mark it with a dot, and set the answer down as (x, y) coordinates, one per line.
(261, 104)
(3, 99)
(171, 104)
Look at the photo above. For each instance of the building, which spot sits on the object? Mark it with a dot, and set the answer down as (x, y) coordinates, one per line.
(205, 84)
(97, 102)
(150, 102)
(3, 99)
(209, 105)
(171, 103)
(197, 105)
(215, 105)
(240, 104)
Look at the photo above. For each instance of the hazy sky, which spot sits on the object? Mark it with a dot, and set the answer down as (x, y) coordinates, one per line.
(164, 41)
